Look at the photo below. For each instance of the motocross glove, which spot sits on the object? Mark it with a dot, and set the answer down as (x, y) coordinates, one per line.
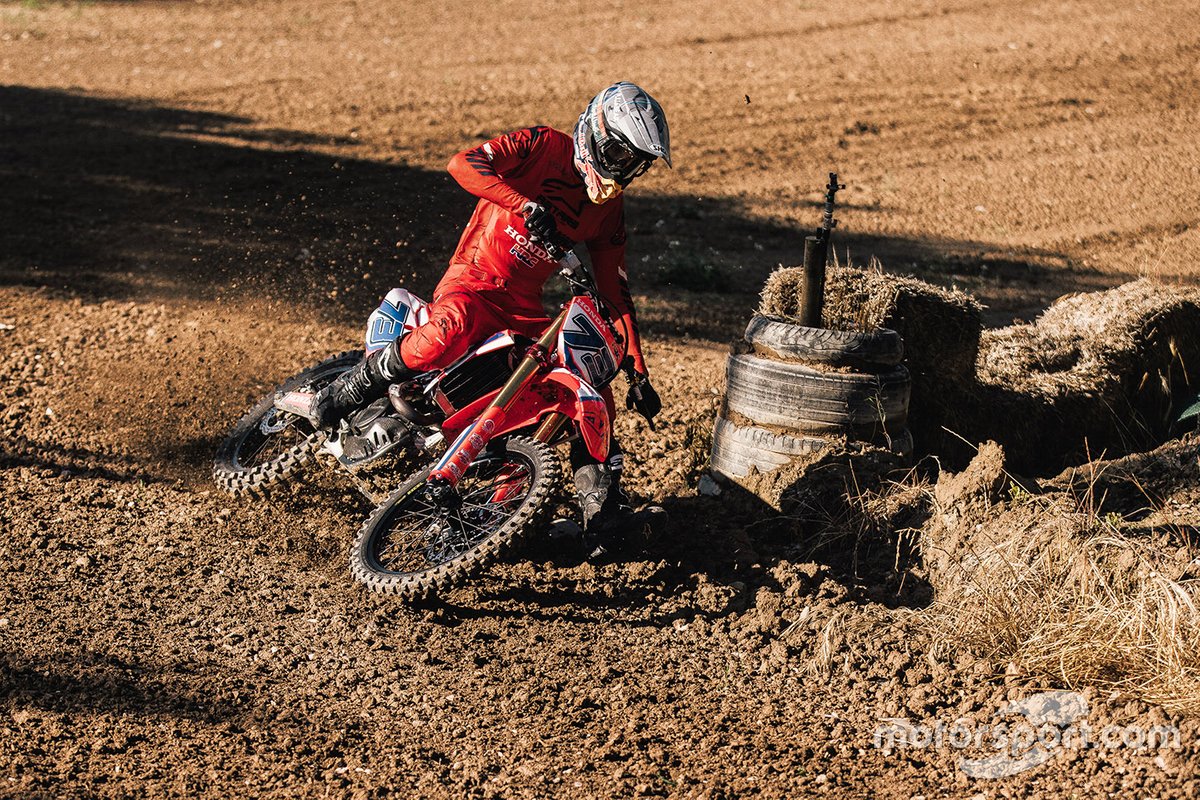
(641, 396)
(540, 223)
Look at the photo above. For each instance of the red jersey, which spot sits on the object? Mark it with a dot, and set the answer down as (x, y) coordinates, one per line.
(495, 253)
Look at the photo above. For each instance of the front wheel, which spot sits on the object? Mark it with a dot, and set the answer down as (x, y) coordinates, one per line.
(267, 447)
(415, 542)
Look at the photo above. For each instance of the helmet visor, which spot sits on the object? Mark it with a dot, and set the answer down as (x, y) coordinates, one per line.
(620, 160)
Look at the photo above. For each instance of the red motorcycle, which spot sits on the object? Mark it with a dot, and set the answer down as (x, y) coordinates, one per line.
(503, 407)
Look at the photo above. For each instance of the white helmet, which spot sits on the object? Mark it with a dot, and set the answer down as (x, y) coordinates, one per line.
(618, 137)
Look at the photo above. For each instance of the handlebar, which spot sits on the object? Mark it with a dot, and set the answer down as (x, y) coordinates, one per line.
(571, 267)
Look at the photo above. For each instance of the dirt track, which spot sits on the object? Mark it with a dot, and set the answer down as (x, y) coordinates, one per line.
(198, 198)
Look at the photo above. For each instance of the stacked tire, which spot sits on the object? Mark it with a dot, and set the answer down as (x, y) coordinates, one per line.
(798, 390)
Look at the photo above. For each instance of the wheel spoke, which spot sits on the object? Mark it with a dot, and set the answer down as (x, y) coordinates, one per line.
(266, 447)
(492, 487)
(278, 446)
(419, 535)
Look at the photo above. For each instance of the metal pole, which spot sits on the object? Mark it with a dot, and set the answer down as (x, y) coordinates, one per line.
(812, 301)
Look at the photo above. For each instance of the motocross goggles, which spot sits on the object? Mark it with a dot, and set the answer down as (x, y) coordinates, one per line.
(619, 159)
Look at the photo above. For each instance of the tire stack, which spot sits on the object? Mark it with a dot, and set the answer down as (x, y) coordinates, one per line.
(798, 391)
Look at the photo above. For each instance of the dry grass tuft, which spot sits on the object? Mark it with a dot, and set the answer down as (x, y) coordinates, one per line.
(1080, 599)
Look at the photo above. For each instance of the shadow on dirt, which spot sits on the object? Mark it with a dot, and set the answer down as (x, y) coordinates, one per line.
(97, 684)
(736, 536)
(712, 560)
(115, 199)
(19, 451)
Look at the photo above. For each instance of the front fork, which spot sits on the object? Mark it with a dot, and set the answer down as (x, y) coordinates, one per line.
(470, 443)
(506, 488)
(550, 427)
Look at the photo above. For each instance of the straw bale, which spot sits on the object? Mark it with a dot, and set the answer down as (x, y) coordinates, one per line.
(940, 329)
(1105, 371)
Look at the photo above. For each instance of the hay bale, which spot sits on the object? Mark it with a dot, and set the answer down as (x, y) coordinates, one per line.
(1088, 342)
(782, 292)
(1098, 372)
(1110, 369)
(940, 328)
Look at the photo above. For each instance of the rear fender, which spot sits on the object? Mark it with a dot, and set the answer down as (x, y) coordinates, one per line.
(556, 391)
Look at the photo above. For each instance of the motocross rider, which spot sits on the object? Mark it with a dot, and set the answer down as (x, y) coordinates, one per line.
(534, 185)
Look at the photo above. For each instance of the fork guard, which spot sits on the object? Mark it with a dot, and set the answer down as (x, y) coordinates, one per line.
(558, 391)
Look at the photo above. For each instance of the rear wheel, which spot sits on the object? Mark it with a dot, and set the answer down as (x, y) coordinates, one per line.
(415, 543)
(267, 446)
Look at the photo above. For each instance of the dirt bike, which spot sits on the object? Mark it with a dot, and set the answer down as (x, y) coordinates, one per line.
(503, 407)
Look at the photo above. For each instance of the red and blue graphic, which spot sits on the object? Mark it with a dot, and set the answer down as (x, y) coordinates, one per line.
(399, 313)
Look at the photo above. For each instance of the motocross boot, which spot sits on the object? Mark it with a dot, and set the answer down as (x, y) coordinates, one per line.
(365, 382)
(605, 507)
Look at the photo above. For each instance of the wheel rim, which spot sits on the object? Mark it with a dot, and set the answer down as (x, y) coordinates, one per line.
(418, 534)
(277, 432)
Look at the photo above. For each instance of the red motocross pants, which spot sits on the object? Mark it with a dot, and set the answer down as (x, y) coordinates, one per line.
(460, 318)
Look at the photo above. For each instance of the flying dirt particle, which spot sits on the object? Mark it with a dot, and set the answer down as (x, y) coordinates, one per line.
(747, 99)
(708, 487)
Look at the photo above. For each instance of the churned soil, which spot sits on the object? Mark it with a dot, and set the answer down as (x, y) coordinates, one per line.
(200, 198)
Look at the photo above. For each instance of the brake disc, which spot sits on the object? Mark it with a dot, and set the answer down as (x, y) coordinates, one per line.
(275, 422)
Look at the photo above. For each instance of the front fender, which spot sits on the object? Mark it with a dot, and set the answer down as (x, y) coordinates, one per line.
(590, 413)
